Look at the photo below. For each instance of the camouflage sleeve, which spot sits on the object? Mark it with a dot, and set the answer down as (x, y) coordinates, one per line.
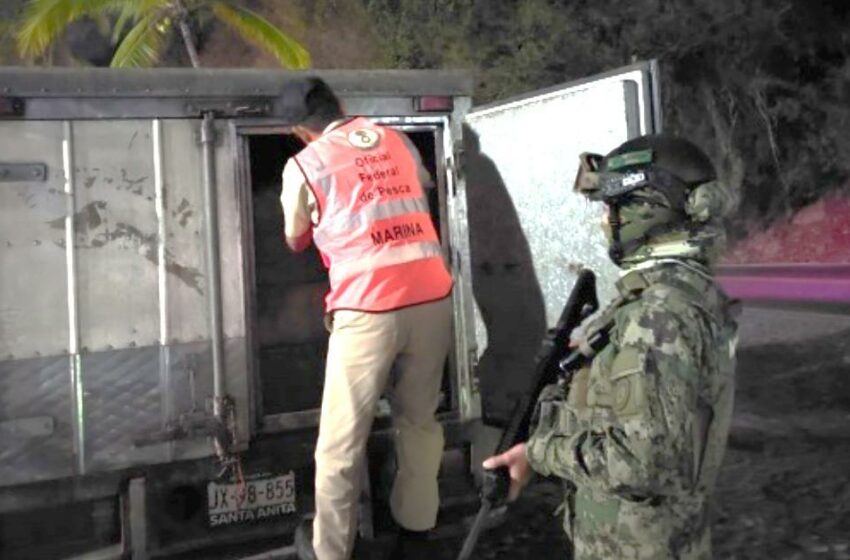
(637, 441)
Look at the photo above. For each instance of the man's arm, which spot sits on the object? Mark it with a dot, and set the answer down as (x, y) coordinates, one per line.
(299, 208)
(645, 445)
(299, 244)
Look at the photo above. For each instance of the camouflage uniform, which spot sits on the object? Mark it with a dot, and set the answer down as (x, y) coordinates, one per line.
(640, 433)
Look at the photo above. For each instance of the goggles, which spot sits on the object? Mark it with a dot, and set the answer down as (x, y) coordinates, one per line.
(611, 183)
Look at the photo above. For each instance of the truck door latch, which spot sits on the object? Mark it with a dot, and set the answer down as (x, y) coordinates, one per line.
(189, 426)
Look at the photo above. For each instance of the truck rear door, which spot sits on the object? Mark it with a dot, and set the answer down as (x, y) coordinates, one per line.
(529, 233)
(105, 304)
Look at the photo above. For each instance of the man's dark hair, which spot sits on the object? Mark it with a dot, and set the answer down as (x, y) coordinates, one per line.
(321, 106)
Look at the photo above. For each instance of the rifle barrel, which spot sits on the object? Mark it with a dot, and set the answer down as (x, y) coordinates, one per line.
(474, 531)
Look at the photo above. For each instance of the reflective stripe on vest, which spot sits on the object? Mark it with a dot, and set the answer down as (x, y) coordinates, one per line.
(401, 254)
(372, 215)
(342, 223)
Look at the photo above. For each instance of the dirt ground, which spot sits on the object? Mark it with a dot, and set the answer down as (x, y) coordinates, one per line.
(784, 491)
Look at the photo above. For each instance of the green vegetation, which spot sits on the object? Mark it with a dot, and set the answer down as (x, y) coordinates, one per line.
(761, 84)
(9, 14)
(150, 24)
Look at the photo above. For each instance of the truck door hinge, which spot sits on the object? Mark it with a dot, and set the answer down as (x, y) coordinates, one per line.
(208, 131)
(20, 172)
(27, 428)
(248, 107)
(460, 160)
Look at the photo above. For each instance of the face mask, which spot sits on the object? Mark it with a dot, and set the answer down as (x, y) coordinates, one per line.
(640, 220)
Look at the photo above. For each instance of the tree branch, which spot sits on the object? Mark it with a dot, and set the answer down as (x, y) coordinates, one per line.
(186, 33)
(724, 123)
(761, 107)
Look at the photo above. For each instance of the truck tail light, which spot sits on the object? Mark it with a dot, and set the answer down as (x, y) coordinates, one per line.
(434, 103)
(11, 107)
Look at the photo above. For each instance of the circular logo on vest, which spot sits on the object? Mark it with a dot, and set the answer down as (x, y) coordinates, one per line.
(622, 392)
(363, 138)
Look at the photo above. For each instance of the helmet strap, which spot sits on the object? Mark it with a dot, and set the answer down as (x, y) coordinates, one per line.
(616, 251)
(648, 235)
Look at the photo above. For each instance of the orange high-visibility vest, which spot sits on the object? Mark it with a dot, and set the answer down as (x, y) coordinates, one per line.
(374, 231)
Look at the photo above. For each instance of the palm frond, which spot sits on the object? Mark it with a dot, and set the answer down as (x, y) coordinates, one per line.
(143, 44)
(127, 14)
(44, 20)
(260, 31)
(134, 10)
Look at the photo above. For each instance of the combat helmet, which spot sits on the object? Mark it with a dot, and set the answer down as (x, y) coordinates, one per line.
(652, 185)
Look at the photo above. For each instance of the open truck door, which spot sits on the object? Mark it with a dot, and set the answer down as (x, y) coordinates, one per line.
(529, 232)
(531, 235)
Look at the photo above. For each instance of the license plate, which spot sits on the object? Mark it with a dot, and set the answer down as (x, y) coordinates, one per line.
(260, 498)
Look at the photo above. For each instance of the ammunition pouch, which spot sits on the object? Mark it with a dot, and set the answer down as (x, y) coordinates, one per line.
(554, 416)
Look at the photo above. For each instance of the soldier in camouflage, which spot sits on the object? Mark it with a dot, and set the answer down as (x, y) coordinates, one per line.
(640, 433)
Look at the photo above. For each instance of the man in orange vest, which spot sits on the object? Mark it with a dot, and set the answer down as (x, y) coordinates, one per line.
(357, 191)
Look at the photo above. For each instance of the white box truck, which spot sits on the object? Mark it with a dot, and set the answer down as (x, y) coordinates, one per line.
(151, 316)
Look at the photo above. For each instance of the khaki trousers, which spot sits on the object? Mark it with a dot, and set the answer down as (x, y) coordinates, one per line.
(362, 350)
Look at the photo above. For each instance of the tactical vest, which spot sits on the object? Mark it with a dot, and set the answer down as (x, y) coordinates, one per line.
(630, 288)
(374, 231)
(607, 521)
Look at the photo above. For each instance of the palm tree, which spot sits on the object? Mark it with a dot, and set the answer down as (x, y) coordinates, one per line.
(152, 21)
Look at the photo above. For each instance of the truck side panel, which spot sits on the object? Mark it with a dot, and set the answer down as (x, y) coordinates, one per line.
(105, 341)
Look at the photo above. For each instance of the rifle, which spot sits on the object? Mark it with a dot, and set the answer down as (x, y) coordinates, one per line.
(550, 366)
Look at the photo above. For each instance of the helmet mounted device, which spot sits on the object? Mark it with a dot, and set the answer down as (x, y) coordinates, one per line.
(615, 177)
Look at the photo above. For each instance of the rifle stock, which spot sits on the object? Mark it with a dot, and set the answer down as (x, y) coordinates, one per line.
(548, 369)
